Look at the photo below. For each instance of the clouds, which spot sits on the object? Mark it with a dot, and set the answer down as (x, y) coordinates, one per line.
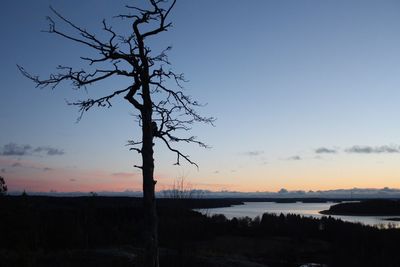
(332, 151)
(16, 164)
(254, 153)
(294, 158)
(324, 150)
(373, 150)
(49, 150)
(254, 156)
(18, 160)
(357, 149)
(13, 149)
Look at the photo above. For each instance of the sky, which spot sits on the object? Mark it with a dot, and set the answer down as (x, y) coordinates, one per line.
(305, 93)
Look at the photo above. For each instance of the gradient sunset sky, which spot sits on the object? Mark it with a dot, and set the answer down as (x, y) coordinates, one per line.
(306, 94)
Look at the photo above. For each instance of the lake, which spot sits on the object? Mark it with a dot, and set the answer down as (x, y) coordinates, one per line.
(254, 209)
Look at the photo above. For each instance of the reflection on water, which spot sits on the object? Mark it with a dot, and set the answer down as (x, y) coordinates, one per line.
(254, 209)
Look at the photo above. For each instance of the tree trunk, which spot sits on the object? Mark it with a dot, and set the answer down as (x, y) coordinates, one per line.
(149, 201)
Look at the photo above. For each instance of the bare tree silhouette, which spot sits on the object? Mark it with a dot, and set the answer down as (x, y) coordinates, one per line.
(129, 56)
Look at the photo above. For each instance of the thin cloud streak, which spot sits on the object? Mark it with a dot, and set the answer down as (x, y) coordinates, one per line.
(373, 150)
(16, 164)
(324, 150)
(49, 150)
(13, 149)
(254, 153)
(23, 165)
(294, 158)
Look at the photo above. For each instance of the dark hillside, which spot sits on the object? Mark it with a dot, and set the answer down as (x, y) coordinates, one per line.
(107, 231)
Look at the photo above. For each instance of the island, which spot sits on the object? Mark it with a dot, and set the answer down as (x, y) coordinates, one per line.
(374, 207)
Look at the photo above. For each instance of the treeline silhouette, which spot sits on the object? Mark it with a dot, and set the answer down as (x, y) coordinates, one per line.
(52, 231)
(373, 207)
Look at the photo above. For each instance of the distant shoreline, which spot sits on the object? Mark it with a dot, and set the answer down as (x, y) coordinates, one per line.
(328, 212)
(393, 219)
(377, 207)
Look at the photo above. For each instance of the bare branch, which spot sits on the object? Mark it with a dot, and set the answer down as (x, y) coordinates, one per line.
(130, 96)
(178, 154)
(136, 149)
(92, 41)
(104, 101)
(162, 17)
(134, 143)
(79, 78)
(184, 102)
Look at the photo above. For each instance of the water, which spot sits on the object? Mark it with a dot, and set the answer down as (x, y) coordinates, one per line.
(254, 209)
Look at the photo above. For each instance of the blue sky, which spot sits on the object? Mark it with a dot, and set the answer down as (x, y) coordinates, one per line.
(283, 78)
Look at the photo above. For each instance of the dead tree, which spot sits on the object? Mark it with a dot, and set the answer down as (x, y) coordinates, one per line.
(127, 55)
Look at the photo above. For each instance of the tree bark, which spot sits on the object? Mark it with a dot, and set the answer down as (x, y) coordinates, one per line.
(150, 212)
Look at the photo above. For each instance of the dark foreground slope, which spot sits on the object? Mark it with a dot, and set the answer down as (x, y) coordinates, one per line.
(99, 231)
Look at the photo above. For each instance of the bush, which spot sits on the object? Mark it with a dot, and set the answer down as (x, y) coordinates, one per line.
(3, 187)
